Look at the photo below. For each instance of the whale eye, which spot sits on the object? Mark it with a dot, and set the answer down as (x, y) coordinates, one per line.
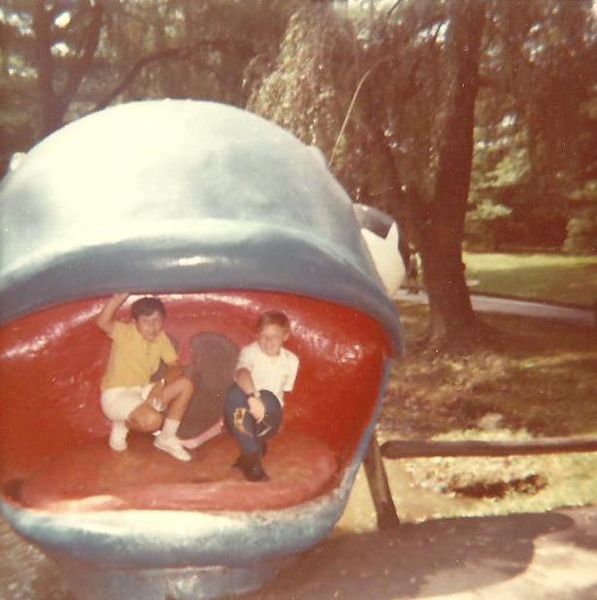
(381, 236)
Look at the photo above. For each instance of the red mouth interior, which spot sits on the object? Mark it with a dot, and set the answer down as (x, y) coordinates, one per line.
(53, 448)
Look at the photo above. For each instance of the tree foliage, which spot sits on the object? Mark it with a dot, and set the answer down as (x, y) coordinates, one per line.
(63, 59)
(535, 132)
(429, 109)
(306, 91)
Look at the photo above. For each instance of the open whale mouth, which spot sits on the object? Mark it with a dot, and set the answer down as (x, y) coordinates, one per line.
(56, 435)
(224, 215)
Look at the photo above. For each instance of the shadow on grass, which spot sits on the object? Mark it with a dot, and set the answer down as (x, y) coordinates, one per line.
(538, 375)
(417, 561)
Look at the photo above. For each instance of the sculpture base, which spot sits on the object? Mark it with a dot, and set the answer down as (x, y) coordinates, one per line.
(188, 583)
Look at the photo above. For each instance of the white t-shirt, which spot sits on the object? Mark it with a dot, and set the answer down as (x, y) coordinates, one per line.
(274, 373)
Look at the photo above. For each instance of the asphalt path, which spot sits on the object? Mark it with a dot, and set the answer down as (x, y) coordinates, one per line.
(547, 556)
(495, 304)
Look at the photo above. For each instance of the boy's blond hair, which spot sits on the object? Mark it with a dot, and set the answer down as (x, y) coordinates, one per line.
(273, 317)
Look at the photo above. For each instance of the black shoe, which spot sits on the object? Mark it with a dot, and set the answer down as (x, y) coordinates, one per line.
(255, 473)
(251, 467)
(238, 463)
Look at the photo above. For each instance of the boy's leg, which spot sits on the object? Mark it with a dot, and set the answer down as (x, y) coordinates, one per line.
(145, 418)
(118, 435)
(272, 421)
(273, 415)
(118, 404)
(176, 397)
(239, 421)
(242, 425)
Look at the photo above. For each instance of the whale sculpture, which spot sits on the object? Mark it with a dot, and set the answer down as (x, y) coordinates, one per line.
(223, 215)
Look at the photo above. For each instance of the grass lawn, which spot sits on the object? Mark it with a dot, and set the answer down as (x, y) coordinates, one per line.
(543, 382)
(550, 277)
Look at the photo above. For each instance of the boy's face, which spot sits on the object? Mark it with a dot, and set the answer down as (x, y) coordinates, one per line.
(271, 338)
(150, 326)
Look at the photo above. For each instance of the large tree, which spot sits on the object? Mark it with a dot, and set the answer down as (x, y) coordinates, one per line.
(381, 133)
(441, 221)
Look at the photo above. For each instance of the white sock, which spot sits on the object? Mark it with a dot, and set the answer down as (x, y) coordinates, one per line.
(120, 427)
(170, 428)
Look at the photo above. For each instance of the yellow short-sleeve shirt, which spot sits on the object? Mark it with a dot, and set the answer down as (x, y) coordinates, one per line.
(133, 359)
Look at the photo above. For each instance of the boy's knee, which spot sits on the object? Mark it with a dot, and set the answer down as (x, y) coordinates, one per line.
(186, 386)
(146, 421)
(270, 401)
(182, 385)
(235, 398)
(153, 421)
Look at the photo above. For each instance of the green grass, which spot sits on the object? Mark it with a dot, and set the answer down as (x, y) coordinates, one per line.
(549, 277)
(543, 378)
(542, 382)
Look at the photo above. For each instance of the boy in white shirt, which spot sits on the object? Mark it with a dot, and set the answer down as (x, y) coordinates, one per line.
(254, 404)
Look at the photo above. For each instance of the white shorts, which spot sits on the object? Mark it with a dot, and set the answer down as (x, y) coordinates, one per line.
(119, 402)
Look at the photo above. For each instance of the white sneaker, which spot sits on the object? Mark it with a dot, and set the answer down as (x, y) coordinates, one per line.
(118, 436)
(172, 446)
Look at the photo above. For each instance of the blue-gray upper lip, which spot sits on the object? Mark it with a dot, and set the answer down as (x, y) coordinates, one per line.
(175, 196)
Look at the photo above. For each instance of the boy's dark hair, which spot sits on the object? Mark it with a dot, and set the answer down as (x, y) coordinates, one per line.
(273, 317)
(147, 306)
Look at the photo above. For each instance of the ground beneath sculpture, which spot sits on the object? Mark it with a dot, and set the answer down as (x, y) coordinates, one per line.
(552, 556)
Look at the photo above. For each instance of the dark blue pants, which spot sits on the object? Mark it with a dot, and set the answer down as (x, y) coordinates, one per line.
(249, 434)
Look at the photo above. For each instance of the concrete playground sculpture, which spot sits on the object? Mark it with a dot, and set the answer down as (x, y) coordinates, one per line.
(223, 215)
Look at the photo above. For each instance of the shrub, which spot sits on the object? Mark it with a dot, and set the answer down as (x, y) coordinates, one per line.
(582, 232)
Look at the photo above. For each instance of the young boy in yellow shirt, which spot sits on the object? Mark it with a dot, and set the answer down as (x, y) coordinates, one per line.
(129, 398)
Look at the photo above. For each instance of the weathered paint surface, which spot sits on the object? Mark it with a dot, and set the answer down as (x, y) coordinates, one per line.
(227, 216)
(180, 196)
(52, 363)
(343, 355)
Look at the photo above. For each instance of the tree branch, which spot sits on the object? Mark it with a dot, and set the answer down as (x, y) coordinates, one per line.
(80, 66)
(45, 63)
(183, 53)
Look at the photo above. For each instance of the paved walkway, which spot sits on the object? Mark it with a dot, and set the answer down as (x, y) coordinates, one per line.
(481, 303)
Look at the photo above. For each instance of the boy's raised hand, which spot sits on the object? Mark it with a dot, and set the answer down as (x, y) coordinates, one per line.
(105, 319)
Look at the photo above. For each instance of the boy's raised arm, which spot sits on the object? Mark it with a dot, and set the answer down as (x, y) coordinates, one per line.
(243, 379)
(105, 320)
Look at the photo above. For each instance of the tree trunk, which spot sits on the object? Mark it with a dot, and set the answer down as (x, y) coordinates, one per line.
(452, 320)
(54, 102)
(42, 23)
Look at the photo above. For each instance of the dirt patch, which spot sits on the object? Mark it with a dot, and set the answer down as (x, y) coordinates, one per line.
(529, 485)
